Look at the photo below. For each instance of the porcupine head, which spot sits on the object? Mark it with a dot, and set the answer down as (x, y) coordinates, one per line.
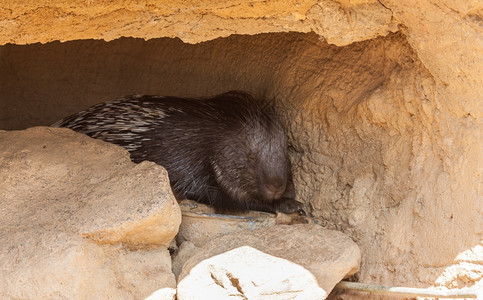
(253, 165)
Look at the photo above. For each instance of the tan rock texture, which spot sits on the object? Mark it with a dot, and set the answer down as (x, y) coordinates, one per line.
(385, 131)
(200, 224)
(80, 219)
(279, 262)
(186, 250)
(29, 21)
(448, 38)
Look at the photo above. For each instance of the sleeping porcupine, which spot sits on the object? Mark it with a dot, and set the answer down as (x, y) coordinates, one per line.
(228, 151)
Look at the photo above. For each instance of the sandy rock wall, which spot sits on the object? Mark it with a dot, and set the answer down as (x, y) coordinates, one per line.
(29, 21)
(448, 38)
(385, 131)
(381, 156)
(433, 27)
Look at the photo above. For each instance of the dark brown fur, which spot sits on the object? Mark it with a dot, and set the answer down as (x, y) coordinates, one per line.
(228, 151)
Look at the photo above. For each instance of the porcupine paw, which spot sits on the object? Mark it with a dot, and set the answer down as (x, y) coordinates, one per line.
(288, 206)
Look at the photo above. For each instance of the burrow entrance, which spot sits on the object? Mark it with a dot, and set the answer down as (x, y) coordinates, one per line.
(360, 119)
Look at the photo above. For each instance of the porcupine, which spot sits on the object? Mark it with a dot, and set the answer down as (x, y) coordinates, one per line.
(228, 151)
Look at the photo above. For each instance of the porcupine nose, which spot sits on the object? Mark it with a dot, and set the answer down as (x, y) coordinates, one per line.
(275, 190)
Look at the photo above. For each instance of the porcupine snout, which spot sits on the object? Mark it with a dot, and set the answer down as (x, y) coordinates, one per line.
(274, 188)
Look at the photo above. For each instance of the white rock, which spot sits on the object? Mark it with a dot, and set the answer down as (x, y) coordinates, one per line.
(279, 262)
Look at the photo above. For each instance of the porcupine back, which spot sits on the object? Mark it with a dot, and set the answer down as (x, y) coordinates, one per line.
(228, 151)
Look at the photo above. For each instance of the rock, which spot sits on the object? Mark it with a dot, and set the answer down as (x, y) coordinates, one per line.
(339, 21)
(186, 250)
(200, 224)
(303, 261)
(80, 219)
(468, 269)
(247, 273)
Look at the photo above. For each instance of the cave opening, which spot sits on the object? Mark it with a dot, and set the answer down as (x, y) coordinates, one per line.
(359, 120)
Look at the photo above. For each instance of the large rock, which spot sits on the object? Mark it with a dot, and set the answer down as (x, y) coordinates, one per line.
(80, 219)
(283, 261)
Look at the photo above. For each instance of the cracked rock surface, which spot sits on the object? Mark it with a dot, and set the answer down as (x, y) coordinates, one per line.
(80, 219)
(283, 261)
